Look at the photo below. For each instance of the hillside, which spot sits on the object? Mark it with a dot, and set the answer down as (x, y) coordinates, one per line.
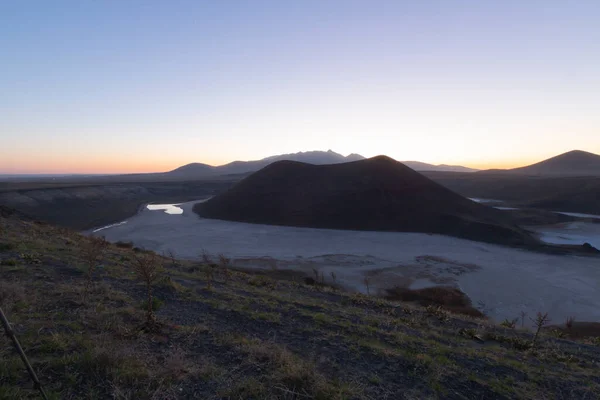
(225, 334)
(572, 163)
(91, 204)
(375, 194)
(555, 193)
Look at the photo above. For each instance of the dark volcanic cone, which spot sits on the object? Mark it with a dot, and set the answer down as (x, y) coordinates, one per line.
(377, 194)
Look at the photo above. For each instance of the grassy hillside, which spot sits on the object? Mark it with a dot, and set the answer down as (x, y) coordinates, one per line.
(574, 194)
(227, 334)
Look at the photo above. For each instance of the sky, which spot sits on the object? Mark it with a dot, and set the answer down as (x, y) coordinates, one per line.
(142, 86)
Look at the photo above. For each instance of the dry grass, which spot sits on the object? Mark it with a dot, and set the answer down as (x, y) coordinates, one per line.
(289, 376)
(262, 335)
(449, 298)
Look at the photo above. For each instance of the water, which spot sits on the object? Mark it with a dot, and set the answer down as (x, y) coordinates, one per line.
(483, 201)
(579, 215)
(571, 233)
(172, 209)
(109, 226)
(576, 233)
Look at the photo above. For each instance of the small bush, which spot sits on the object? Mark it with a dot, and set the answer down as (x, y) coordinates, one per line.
(124, 245)
(509, 323)
(261, 281)
(148, 270)
(11, 262)
(558, 333)
(31, 258)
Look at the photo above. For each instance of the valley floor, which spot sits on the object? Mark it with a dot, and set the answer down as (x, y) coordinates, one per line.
(501, 281)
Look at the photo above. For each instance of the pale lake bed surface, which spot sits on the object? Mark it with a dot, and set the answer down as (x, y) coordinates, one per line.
(500, 281)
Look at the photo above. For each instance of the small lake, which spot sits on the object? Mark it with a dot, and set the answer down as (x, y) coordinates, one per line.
(484, 201)
(172, 209)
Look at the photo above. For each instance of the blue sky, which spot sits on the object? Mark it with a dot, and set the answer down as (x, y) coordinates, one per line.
(125, 86)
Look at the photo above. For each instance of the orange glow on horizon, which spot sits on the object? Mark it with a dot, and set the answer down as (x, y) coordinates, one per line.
(95, 166)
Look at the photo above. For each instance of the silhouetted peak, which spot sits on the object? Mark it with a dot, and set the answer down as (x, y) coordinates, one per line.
(578, 153)
(383, 159)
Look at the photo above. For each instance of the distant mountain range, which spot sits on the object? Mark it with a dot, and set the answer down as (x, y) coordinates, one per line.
(421, 166)
(572, 163)
(194, 170)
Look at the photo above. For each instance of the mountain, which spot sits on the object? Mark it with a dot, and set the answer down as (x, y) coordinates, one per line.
(378, 194)
(421, 166)
(310, 157)
(572, 163)
(195, 170)
(240, 167)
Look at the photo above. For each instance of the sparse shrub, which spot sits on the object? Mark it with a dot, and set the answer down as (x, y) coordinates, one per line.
(511, 324)
(470, 333)
(124, 245)
(168, 283)
(262, 281)
(558, 333)
(569, 322)
(11, 262)
(92, 250)
(224, 263)
(438, 312)
(31, 258)
(367, 282)
(206, 258)
(172, 257)
(523, 315)
(540, 321)
(516, 342)
(209, 275)
(359, 299)
(316, 273)
(148, 270)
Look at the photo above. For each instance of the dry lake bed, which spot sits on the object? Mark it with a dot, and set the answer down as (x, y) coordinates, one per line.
(501, 281)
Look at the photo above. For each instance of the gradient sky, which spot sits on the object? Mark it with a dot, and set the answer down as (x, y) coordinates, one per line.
(139, 86)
